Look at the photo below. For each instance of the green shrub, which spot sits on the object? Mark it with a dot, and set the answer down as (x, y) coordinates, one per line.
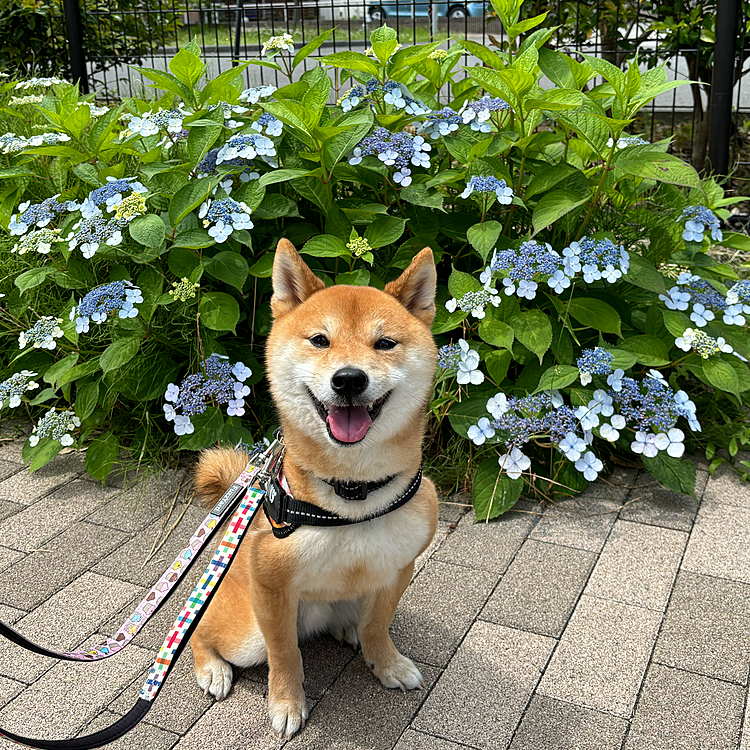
(557, 339)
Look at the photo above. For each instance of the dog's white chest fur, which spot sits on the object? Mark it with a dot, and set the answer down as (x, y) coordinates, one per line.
(343, 562)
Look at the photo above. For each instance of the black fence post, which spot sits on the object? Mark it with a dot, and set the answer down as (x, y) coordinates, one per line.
(75, 44)
(722, 84)
(237, 34)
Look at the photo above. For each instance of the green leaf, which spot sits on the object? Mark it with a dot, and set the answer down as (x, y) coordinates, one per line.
(187, 67)
(642, 273)
(86, 400)
(166, 82)
(721, 375)
(497, 363)
(88, 173)
(281, 175)
(421, 195)
(534, 330)
(193, 239)
(385, 230)
(33, 277)
(352, 61)
(496, 333)
(337, 146)
(493, 493)
(445, 321)
(274, 206)
(228, 267)
(101, 454)
(463, 414)
(460, 283)
(118, 353)
(208, 428)
(553, 206)
(673, 473)
(264, 267)
(182, 262)
(483, 237)
(190, 197)
(358, 277)
(557, 376)
(57, 370)
(219, 311)
(384, 43)
(596, 314)
(650, 163)
(648, 350)
(325, 246)
(148, 230)
(44, 453)
(310, 47)
(676, 322)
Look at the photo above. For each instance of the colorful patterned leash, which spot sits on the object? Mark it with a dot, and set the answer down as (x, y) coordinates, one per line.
(188, 619)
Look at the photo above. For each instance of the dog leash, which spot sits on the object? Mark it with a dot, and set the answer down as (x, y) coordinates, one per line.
(260, 467)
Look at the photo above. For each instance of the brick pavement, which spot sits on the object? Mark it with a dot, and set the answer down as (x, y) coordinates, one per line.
(619, 620)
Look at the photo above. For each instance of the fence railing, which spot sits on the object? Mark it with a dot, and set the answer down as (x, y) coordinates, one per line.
(704, 120)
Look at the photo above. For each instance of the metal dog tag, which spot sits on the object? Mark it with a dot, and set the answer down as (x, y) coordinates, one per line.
(234, 491)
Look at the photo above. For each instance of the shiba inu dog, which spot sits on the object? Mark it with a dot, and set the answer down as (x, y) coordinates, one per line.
(351, 372)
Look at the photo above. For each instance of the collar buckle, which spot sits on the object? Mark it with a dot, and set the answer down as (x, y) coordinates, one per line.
(350, 490)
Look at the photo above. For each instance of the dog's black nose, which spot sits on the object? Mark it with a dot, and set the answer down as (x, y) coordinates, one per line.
(349, 382)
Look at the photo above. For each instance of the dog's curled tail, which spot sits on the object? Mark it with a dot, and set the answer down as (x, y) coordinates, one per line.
(216, 470)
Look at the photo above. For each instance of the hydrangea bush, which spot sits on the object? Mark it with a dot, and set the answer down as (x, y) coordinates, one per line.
(581, 319)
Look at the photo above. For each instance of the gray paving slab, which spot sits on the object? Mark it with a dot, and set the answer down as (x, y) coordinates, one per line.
(127, 562)
(143, 499)
(9, 556)
(413, 740)
(10, 615)
(180, 704)
(438, 608)
(240, 721)
(481, 696)
(683, 711)
(144, 736)
(660, 507)
(452, 508)
(745, 739)
(9, 689)
(616, 486)
(579, 523)
(9, 508)
(725, 486)
(36, 577)
(540, 588)
(719, 542)
(8, 468)
(373, 720)
(64, 620)
(59, 703)
(549, 724)
(602, 656)
(441, 534)
(707, 628)
(26, 488)
(34, 525)
(489, 546)
(324, 660)
(638, 565)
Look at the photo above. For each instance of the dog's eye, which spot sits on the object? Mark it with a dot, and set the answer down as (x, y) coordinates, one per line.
(385, 343)
(320, 341)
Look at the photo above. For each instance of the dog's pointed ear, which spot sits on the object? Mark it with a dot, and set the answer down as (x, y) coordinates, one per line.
(415, 288)
(293, 281)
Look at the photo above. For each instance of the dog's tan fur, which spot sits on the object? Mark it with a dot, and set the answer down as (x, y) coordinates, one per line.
(344, 580)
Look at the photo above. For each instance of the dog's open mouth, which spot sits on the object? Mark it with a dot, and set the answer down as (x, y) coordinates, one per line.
(349, 424)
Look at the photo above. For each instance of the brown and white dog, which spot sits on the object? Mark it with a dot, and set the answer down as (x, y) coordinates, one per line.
(351, 372)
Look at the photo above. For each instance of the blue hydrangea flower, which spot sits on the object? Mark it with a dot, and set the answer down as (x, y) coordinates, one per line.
(675, 298)
(481, 431)
(116, 297)
(40, 214)
(42, 334)
(352, 98)
(56, 425)
(627, 140)
(224, 215)
(247, 146)
(110, 195)
(474, 302)
(697, 219)
(589, 465)
(89, 234)
(596, 361)
(441, 122)
(397, 150)
(272, 125)
(219, 381)
(449, 356)
(597, 259)
(572, 447)
(486, 185)
(514, 463)
(256, 93)
(521, 266)
(739, 294)
(478, 113)
(16, 386)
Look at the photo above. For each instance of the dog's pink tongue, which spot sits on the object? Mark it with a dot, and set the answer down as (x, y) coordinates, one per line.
(349, 424)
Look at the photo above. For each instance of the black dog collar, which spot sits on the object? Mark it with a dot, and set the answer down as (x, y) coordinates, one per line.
(357, 490)
(286, 514)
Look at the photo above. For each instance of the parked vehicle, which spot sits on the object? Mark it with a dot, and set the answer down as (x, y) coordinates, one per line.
(410, 9)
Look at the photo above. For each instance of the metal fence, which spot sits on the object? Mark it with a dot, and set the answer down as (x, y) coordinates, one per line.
(104, 35)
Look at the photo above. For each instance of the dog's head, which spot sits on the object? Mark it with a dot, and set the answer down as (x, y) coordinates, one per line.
(348, 365)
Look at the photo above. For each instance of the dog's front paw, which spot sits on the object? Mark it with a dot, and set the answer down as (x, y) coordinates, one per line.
(215, 677)
(287, 715)
(401, 673)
